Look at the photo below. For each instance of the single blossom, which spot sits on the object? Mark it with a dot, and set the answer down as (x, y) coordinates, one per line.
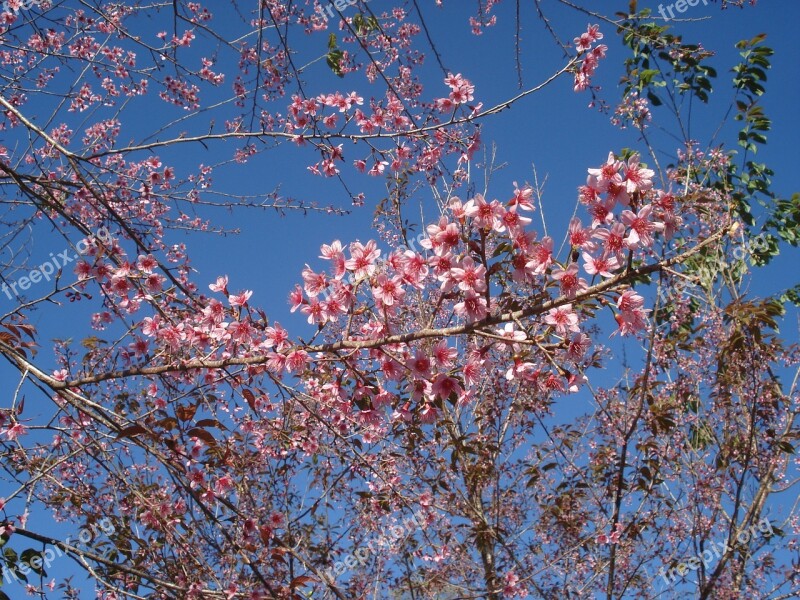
(443, 355)
(513, 221)
(296, 298)
(580, 236)
(420, 365)
(362, 259)
(388, 291)
(571, 284)
(637, 178)
(335, 253)
(522, 198)
(563, 318)
(484, 215)
(221, 285)
(314, 283)
(541, 257)
(642, 228)
(14, 431)
(469, 276)
(510, 333)
(472, 307)
(602, 177)
(443, 386)
(240, 299)
(578, 345)
(602, 265)
(613, 239)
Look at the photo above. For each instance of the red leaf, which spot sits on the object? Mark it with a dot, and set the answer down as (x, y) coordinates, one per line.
(202, 434)
(185, 413)
(131, 431)
(251, 399)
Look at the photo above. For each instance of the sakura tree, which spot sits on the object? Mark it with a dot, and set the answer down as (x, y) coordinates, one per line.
(408, 440)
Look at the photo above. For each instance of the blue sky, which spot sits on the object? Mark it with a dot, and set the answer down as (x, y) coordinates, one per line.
(553, 130)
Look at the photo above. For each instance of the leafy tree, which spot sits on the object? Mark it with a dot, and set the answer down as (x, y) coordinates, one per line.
(404, 445)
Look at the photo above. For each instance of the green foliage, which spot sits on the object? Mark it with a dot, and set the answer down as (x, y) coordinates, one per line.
(335, 56)
(365, 25)
(662, 68)
(661, 64)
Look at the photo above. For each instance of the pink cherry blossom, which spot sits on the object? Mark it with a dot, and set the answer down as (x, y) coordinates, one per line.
(443, 386)
(571, 284)
(316, 312)
(335, 253)
(585, 40)
(420, 365)
(276, 337)
(613, 239)
(314, 283)
(428, 413)
(388, 291)
(461, 89)
(469, 276)
(240, 299)
(296, 360)
(512, 220)
(221, 285)
(632, 316)
(637, 178)
(541, 257)
(580, 236)
(603, 265)
(362, 259)
(14, 431)
(444, 356)
(563, 318)
(522, 198)
(296, 298)
(484, 215)
(642, 228)
(442, 236)
(579, 343)
(472, 307)
(510, 332)
(415, 269)
(600, 178)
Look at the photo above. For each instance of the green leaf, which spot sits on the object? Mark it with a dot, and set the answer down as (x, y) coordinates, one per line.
(11, 556)
(28, 555)
(700, 436)
(334, 61)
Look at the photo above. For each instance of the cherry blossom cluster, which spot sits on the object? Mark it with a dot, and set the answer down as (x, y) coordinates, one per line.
(632, 109)
(471, 261)
(461, 91)
(311, 120)
(591, 56)
(474, 263)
